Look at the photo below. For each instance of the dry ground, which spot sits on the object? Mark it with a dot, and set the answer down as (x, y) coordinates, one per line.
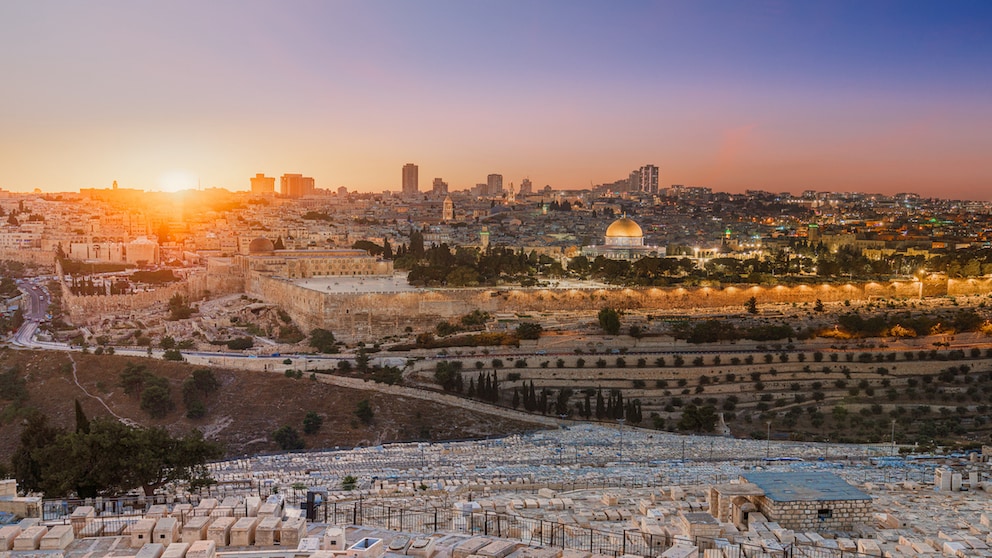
(241, 415)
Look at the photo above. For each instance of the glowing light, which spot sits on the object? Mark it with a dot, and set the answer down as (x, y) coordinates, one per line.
(176, 180)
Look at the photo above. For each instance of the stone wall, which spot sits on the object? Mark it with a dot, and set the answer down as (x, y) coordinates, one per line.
(34, 257)
(83, 310)
(369, 315)
(844, 515)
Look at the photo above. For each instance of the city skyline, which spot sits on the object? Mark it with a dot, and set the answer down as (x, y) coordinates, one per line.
(883, 97)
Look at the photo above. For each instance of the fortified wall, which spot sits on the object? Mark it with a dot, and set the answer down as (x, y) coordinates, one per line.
(372, 315)
(34, 257)
(91, 309)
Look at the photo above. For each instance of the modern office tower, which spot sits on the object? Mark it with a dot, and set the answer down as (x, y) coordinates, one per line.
(494, 185)
(261, 184)
(410, 180)
(648, 179)
(526, 188)
(295, 185)
(440, 187)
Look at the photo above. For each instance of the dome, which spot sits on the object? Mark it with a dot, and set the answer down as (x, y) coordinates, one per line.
(260, 245)
(624, 228)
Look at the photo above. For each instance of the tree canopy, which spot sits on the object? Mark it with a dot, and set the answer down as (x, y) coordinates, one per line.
(108, 459)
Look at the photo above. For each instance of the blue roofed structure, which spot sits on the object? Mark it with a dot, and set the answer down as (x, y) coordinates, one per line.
(807, 500)
(804, 486)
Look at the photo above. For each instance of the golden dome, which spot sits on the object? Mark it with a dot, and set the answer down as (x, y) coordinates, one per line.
(624, 228)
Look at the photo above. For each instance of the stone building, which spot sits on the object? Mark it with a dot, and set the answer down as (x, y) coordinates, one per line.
(624, 241)
(263, 258)
(805, 501)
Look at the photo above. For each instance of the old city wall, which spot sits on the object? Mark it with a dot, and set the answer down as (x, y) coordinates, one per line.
(90, 309)
(33, 257)
(364, 315)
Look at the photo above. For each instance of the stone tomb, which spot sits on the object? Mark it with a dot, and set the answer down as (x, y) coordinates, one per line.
(166, 531)
(421, 547)
(334, 539)
(81, 517)
(57, 538)
(202, 549)
(195, 528)
(811, 501)
(141, 532)
(220, 531)
(292, 530)
(243, 531)
(267, 531)
(7, 536)
(176, 550)
(151, 550)
(30, 538)
(470, 547)
(367, 548)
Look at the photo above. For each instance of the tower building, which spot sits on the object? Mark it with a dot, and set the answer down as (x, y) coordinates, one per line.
(411, 183)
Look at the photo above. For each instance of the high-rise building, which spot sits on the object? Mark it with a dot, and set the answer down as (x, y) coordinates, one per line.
(295, 185)
(494, 185)
(411, 183)
(261, 184)
(634, 181)
(440, 187)
(648, 179)
(526, 188)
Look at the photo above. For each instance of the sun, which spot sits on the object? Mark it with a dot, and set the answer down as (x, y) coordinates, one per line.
(177, 180)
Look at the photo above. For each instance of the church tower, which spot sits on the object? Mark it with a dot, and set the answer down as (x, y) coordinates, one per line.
(447, 210)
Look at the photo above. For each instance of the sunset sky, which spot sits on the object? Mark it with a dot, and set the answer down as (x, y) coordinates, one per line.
(864, 95)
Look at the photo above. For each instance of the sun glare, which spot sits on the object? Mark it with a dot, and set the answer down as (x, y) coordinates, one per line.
(176, 180)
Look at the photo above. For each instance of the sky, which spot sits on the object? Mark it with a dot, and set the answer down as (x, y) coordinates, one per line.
(866, 95)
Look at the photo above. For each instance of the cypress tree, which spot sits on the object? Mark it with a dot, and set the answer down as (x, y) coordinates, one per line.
(82, 423)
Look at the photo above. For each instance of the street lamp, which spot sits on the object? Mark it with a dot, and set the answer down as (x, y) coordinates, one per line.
(621, 421)
(768, 439)
(893, 436)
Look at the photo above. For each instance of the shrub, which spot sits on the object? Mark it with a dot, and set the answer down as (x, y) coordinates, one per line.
(312, 422)
(288, 438)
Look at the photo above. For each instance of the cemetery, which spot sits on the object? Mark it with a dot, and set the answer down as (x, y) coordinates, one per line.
(576, 492)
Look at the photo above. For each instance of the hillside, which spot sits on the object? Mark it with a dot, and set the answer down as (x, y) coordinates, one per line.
(241, 414)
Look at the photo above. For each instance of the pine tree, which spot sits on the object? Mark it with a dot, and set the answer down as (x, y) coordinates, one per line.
(600, 406)
(516, 398)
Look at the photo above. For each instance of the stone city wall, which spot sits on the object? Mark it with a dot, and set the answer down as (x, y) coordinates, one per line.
(363, 315)
(90, 309)
(33, 257)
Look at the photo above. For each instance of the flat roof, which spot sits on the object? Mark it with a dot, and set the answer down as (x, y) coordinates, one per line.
(804, 486)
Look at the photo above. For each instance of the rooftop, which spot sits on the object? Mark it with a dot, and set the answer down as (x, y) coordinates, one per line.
(804, 486)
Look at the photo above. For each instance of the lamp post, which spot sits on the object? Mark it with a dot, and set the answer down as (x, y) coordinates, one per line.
(893, 436)
(621, 421)
(768, 439)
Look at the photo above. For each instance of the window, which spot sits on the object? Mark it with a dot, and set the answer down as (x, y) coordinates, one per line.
(824, 514)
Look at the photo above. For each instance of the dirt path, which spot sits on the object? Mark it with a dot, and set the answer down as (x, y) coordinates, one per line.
(75, 378)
